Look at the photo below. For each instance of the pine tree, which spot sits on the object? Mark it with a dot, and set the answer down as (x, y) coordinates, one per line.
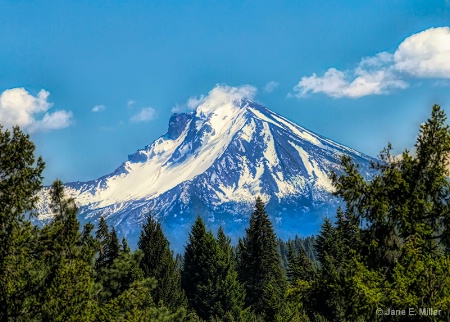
(231, 292)
(158, 262)
(63, 232)
(20, 180)
(124, 247)
(200, 277)
(326, 297)
(300, 267)
(113, 247)
(88, 243)
(259, 265)
(118, 277)
(136, 304)
(102, 236)
(398, 250)
(67, 290)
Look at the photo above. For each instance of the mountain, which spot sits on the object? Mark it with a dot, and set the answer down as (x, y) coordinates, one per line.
(213, 162)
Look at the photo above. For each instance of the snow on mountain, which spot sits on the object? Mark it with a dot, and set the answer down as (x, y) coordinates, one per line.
(213, 162)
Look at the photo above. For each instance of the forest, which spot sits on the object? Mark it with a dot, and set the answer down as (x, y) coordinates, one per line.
(385, 256)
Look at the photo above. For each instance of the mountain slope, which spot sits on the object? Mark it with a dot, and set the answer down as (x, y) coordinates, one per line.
(213, 162)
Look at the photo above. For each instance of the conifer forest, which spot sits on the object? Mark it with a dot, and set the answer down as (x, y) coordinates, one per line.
(384, 256)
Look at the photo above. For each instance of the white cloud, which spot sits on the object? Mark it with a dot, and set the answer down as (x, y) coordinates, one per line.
(98, 108)
(18, 107)
(178, 109)
(224, 94)
(193, 102)
(144, 115)
(219, 95)
(425, 54)
(422, 55)
(130, 103)
(53, 121)
(353, 84)
(271, 86)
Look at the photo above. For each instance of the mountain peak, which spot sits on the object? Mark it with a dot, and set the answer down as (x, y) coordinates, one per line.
(177, 124)
(214, 161)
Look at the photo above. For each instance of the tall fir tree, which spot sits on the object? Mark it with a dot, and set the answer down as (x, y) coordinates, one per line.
(197, 274)
(108, 246)
(119, 276)
(300, 267)
(124, 248)
(113, 245)
(231, 292)
(210, 275)
(115, 270)
(20, 180)
(68, 291)
(259, 265)
(399, 249)
(158, 262)
(325, 297)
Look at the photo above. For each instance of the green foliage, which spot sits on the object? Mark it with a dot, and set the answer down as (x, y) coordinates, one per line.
(300, 267)
(387, 248)
(136, 304)
(421, 279)
(113, 246)
(209, 277)
(158, 262)
(198, 274)
(68, 287)
(107, 248)
(231, 293)
(118, 277)
(395, 260)
(124, 247)
(20, 180)
(259, 265)
(69, 296)
(298, 244)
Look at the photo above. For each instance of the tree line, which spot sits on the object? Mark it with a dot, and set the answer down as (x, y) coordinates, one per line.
(386, 252)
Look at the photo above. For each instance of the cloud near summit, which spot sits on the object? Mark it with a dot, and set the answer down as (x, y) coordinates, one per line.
(222, 94)
(423, 55)
(19, 107)
(219, 95)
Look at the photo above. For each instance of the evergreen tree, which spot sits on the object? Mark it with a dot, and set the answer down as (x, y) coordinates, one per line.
(124, 247)
(102, 236)
(207, 273)
(108, 246)
(398, 250)
(67, 290)
(20, 180)
(158, 262)
(344, 289)
(63, 232)
(307, 245)
(120, 275)
(300, 267)
(116, 270)
(231, 292)
(88, 243)
(113, 246)
(136, 304)
(259, 265)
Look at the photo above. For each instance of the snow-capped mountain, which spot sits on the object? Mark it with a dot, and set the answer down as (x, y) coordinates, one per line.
(213, 162)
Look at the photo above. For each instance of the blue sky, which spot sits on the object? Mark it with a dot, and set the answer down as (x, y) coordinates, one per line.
(94, 82)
